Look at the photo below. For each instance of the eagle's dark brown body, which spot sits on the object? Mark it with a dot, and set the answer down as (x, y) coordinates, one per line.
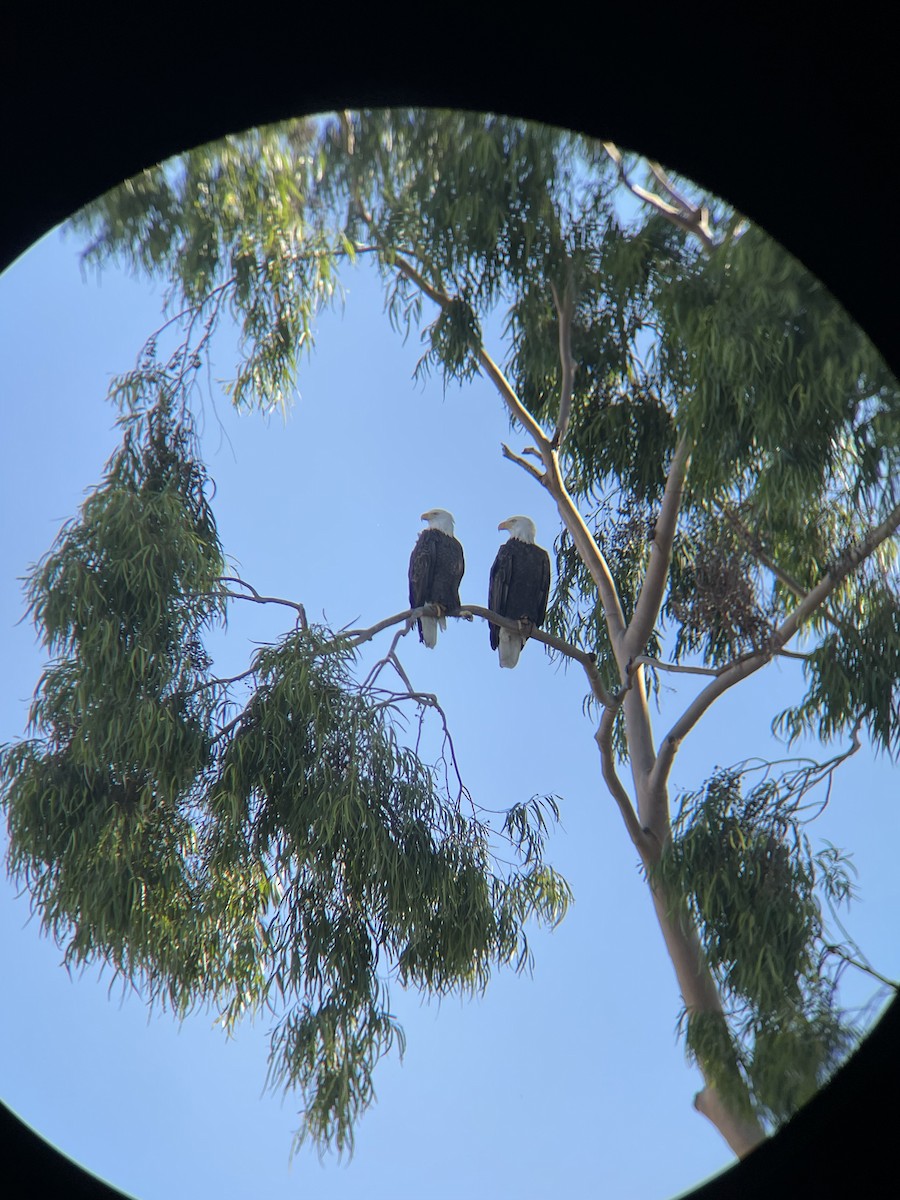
(436, 568)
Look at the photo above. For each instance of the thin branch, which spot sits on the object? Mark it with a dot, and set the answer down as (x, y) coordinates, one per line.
(411, 615)
(532, 471)
(700, 212)
(792, 584)
(398, 666)
(426, 700)
(256, 598)
(852, 558)
(839, 952)
(565, 310)
(516, 408)
(646, 660)
(540, 635)
(390, 659)
(591, 554)
(686, 216)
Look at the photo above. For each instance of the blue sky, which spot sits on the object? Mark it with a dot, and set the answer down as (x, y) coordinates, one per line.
(554, 1083)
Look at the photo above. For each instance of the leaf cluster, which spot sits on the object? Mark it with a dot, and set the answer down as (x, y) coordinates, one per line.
(740, 862)
(854, 676)
(293, 854)
(376, 873)
(96, 801)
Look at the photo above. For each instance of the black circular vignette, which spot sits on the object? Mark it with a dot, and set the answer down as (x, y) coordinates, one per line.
(786, 122)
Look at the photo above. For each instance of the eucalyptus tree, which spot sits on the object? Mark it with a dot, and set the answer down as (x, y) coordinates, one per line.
(721, 444)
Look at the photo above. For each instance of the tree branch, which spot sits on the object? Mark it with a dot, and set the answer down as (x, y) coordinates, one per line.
(565, 309)
(532, 471)
(590, 553)
(256, 598)
(516, 408)
(649, 601)
(745, 1135)
(646, 660)
(686, 216)
(548, 639)
(644, 842)
(552, 480)
(792, 584)
(852, 558)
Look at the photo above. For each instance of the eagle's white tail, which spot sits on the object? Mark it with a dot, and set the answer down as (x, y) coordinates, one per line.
(430, 630)
(510, 647)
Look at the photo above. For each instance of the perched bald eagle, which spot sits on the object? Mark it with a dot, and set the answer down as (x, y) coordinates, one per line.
(520, 585)
(436, 567)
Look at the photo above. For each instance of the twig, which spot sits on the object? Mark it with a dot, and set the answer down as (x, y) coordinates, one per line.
(686, 216)
(532, 471)
(256, 598)
(565, 309)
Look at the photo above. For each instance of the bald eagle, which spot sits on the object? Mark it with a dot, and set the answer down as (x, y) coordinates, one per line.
(520, 585)
(436, 567)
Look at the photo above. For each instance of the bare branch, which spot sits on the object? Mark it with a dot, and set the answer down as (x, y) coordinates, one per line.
(516, 408)
(565, 310)
(591, 554)
(643, 841)
(792, 584)
(390, 659)
(411, 615)
(256, 598)
(532, 471)
(646, 660)
(650, 599)
(686, 216)
(852, 558)
(540, 635)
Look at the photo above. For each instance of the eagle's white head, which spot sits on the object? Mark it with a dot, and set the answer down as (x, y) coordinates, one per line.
(439, 518)
(520, 527)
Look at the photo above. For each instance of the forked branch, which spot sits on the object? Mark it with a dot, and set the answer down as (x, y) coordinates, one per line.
(691, 218)
(852, 558)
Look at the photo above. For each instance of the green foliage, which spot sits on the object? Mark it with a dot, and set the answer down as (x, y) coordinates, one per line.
(855, 673)
(372, 870)
(97, 800)
(756, 890)
(289, 849)
(234, 229)
(294, 855)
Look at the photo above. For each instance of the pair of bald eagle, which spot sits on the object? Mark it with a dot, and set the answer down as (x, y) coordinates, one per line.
(519, 584)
